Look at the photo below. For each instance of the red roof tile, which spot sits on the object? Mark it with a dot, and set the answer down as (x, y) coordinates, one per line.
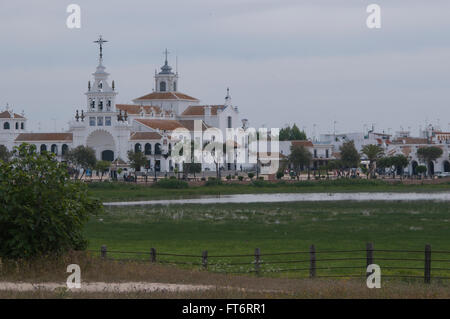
(32, 137)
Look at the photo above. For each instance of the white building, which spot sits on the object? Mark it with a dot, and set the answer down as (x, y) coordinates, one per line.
(113, 129)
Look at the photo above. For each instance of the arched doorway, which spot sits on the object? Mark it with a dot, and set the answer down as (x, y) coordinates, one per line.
(414, 165)
(446, 166)
(108, 155)
(103, 144)
(430, 168)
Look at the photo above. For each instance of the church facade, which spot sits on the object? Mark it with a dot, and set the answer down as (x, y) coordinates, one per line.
(112, 129)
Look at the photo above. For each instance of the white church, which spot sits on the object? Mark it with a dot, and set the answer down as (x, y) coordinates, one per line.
(113, 129)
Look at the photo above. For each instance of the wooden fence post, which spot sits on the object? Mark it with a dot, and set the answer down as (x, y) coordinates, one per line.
(427, 263)
(369, 255)
(103, 251)
(312, 261)
(205, 259)
(257, 260)
(153, 255)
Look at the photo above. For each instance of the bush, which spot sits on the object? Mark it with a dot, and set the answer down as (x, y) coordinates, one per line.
(228, 177)
(263, 183)
(280, 175)
(250, 175)
(171, 183)
(42, 211)
(241, 178)
(212, 181)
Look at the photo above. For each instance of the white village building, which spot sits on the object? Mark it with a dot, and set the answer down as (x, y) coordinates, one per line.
(113, 129)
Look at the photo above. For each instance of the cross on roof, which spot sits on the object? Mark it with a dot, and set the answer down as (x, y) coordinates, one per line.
(100, 42)
(166, 52)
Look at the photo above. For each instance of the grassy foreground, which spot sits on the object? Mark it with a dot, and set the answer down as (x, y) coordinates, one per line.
(110, 192)
(224, 229)
(224, 286)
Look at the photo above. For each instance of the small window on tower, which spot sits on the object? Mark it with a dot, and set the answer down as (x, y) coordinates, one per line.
(162, 86)
(99, 121)
(108, 121)
(92, 121)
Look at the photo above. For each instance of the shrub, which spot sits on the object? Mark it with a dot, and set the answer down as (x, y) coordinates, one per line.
(171, 183)
(42, 211)
(228, 177)
(241, 178)
(250, 175)
(212, 181)
(280, 175)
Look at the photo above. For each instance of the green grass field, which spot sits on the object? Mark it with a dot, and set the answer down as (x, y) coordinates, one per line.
(128, 191)
(224, 229)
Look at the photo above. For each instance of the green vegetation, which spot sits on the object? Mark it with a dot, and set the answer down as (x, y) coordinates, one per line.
(224, 229)
(117, 191)
(291, 134)
(41, 210)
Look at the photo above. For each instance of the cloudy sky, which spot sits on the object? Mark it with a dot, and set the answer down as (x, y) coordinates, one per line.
(311, 62)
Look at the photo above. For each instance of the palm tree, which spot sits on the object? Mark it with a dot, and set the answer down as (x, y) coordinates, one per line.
(373, 153)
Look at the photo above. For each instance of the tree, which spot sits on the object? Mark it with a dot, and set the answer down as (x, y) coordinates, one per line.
(194, 166)
(291, 134)
(400, 161)
(373, 153)
(82, 157)
(42, 211)
(5, 155)
(349, 155)
(136, 160)
(421, 169)
(384, 162)
(429, 154)
(102, 167)
(299, 158)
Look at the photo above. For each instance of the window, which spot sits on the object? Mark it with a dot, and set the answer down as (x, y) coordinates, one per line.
(148, 149)
(229, 122)
(92, 104)
(17, 125)
(99, 121)
(100, 105)
(315, 153)
(6, 126)
(64, 149)
(158, 149)
(54, 149)
(43, 148)
(327, 153)
(137, 148)
(22, 126)
(108, 121)
(92, 121)
(175, 85)
(162, 86)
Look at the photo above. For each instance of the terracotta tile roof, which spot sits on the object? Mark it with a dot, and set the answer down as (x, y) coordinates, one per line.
(410, 140)
(199, 110)
(167, 125)
(32, 137)
(8, 114)
(189, 124)
(136, 109)
(138, 136)
(166, 96)
(302, 143)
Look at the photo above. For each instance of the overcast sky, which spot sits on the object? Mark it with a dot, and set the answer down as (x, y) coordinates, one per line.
(303, 61)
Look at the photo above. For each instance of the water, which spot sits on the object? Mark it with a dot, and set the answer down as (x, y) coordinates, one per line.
(303, 197)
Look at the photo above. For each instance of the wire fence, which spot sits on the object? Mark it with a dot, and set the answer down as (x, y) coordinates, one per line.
(312, 263)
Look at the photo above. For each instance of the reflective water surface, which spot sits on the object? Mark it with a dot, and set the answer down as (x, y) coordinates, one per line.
(273, 198)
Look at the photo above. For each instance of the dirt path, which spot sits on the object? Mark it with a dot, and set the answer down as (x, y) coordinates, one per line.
(104, 287)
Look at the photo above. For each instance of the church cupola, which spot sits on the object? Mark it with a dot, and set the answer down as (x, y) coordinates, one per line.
(166, 80)
(100, 95)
